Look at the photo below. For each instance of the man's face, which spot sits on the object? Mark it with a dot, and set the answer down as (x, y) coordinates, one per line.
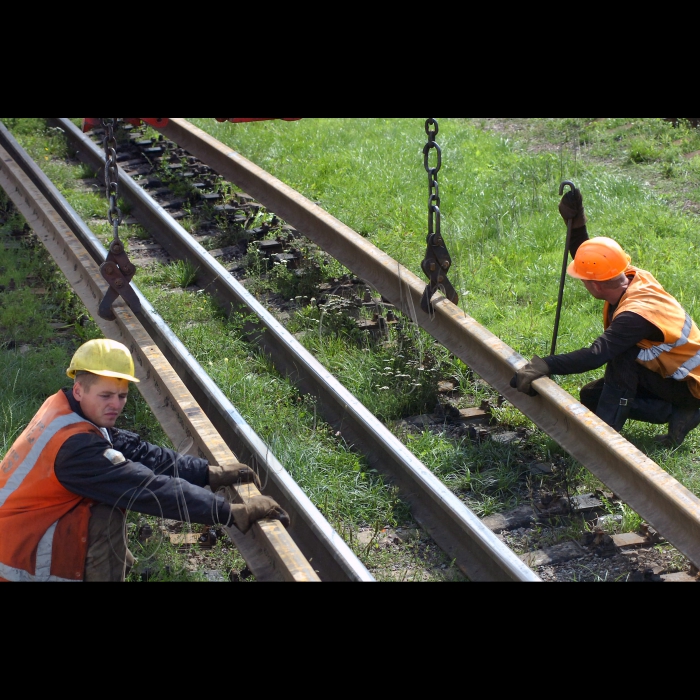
(593, 288)
(104, 401)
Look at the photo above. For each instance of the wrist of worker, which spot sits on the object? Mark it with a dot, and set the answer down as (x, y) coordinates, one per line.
(557, 364)
(539, 364)
(222, 511)
(578, 236)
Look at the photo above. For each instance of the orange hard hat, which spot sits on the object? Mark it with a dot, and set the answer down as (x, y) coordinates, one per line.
(598, 259)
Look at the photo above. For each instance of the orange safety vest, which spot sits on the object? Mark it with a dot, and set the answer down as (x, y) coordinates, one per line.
(43, 526)
(678, 356)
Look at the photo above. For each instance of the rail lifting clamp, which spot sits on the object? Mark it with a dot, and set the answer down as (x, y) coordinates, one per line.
(117, 269)
(437, 259)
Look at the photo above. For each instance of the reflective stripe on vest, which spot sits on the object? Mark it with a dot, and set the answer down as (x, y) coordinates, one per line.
(652, 353)
(655, 351)
(687, 367)
(44, 556)
(28, 463)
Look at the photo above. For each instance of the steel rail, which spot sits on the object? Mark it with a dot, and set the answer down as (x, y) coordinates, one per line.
(332, 559)
(453, 526)
(641, 483)
(267, 548)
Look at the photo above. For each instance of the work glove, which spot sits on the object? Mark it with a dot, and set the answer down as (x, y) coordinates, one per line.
(571, 207)
(522, 381)
(231, 474)
(254, 509)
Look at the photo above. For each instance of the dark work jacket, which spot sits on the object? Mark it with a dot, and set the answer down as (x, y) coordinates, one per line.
(149, 479)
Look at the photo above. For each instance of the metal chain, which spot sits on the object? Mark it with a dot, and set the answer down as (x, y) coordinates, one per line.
(433, 187)
(112, 175)
(437, 260)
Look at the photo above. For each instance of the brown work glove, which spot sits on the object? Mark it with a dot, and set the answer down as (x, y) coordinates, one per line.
(522, 381)
(571, 207)
(256, 508)
(231, 474)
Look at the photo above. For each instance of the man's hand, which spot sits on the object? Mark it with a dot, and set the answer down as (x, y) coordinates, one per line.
(231, 474)
(571, 207)
(257, 508)
(522, 381)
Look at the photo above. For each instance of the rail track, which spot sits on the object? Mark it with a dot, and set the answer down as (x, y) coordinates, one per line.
(664, 503)
(268, 549)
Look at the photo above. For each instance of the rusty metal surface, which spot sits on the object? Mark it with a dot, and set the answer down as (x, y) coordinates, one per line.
(269, 551)
(455, 528)
(653, 493)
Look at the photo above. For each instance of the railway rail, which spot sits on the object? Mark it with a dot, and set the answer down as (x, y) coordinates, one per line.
(664, 503)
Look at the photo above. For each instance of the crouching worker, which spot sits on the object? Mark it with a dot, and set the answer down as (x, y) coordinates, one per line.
(650, 345)
(68, 479)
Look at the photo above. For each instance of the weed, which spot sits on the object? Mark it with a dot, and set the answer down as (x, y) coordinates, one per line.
(677, 562)
(13, 223)
(631, 521)
(85, 172)
(139, 232)
(21, 318)
(180, 273)
(27, 378)
(643, 150)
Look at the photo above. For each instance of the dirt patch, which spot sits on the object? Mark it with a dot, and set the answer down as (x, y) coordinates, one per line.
(550, 547)
(405, 554)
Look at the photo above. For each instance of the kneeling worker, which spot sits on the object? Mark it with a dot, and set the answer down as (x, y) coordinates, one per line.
(67, 480)
(650, 347)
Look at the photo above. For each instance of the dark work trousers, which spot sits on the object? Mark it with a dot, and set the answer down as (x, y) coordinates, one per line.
(625, 373)
(108, 558)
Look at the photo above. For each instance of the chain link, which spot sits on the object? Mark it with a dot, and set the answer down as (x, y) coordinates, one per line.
(433, 187)
(437, 260)
(112, 175)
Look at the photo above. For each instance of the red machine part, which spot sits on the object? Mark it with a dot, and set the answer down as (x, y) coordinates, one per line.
(156, 122)
(160, 122)
(256, 119)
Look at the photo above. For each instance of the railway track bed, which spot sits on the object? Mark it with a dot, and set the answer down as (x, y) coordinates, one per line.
(552, 535)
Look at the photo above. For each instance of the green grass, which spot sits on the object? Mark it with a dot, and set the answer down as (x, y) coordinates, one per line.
(28, 378)
(182, 273)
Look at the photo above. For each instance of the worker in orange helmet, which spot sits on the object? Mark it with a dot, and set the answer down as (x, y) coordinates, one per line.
(68, 479)
(650, 346)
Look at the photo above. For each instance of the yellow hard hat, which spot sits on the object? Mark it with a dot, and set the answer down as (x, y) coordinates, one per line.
(598, 259)
(105, 357)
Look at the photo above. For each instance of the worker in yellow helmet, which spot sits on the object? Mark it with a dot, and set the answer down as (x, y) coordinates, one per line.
(650, 345)
(68, 479)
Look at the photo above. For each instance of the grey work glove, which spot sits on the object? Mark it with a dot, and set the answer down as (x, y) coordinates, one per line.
(522, 381)
(257, 508)
(231, 474)
(571, 208)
